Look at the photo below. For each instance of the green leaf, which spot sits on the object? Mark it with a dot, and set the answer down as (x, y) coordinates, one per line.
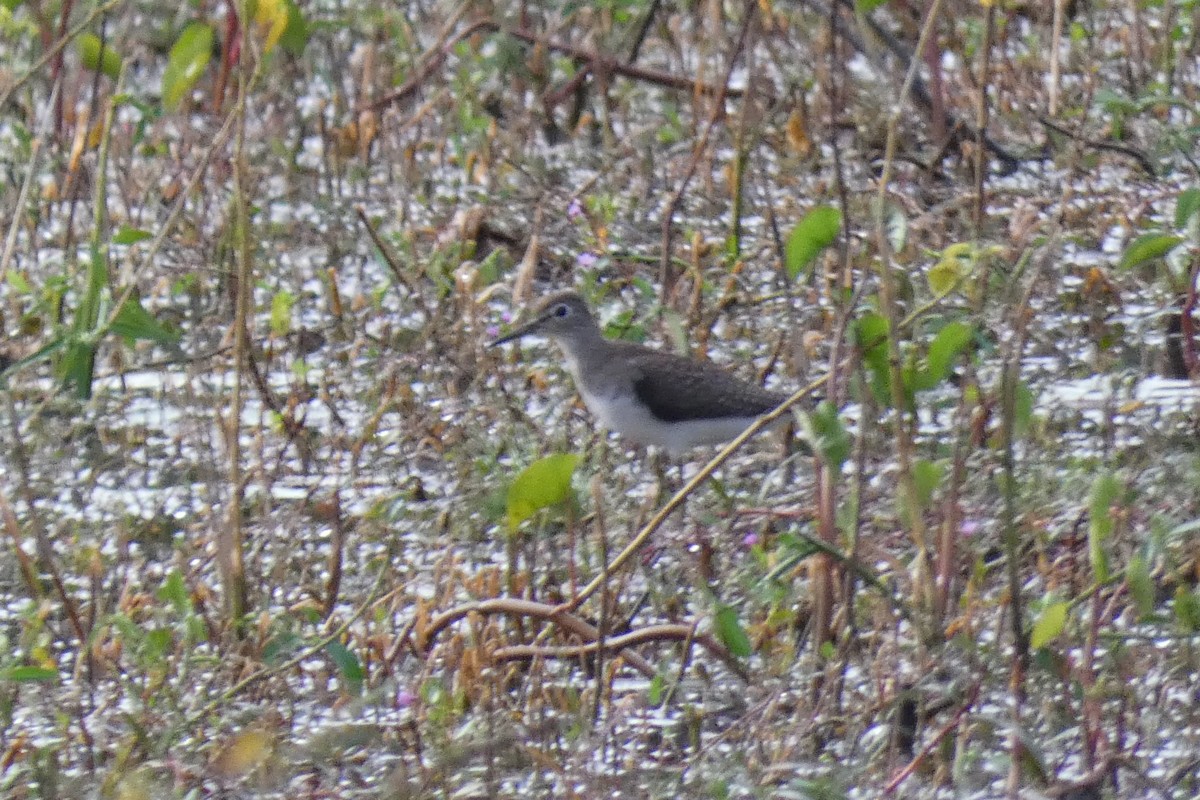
(186, 63)
(295, 36)
(281, 312)
(657, 690)
(1141, 586)
(348, 665)
(1186, 206)
(1148, 247)
(1187, 609)
(1023, 409)
(175, 591)
(29, 674)
(131, 236)
(1105, 491)
(870, 335)
(89, 47)
(78, 366)
(730, 631)
(956, 261)
(827, 435)
(1049, 624)
(87, 315)
(134, 322)
(809, 237)
(544, 483)
(928, 476)
(946, 346)
(867, 6)
(18, 282)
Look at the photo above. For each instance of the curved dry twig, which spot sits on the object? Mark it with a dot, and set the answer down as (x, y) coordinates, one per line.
(512, 606)
(665, 632)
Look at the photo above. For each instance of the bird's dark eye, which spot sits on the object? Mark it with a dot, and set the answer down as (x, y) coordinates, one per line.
(561, 310)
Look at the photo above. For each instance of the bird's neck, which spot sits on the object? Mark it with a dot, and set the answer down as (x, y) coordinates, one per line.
(585, 351)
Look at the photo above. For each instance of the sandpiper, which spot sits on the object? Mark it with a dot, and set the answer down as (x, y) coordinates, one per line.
(648, 396)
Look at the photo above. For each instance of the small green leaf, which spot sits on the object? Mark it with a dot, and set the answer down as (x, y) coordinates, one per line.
(1186, 206)
(954, 265)
(134, 322)
(871, 337)
(544, 483)
(131, 236)
(175, 592)
(186, 63)
(1148, 247)
(1049, 624)
(1187, 609)
(89, 47)
(348, 665)
(77, 367)
(88, 312)
(928, 476)
(946, 346)
(295, 36)
(29, 674)
(1023, 409)
(827, 435)
(730, 632)
(281, 312)
(655, 693)
(1141, 586)
(18, 282)
(809, 237)
(871, 332)
(1105, 491)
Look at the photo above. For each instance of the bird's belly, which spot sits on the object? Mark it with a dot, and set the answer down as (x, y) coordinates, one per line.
(624, 415)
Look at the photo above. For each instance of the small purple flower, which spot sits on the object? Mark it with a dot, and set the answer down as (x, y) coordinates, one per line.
(405, 698)
(493, 331)
(969, 527)
(506, 317)
(575, 209)
(750, 539)
(586, 260)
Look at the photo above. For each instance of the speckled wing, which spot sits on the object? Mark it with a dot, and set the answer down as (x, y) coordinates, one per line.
(676, 389)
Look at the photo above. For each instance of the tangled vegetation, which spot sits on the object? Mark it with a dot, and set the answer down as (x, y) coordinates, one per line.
(277, 523)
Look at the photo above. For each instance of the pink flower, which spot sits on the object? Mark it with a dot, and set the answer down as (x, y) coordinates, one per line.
(575, 209)
(750, 539)
(586, 260)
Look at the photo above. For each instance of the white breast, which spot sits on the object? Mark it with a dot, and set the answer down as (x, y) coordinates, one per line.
(632, 420)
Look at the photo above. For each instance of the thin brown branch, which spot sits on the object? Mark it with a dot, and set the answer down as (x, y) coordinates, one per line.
(515, 607)
(654, 634)
(1142, 160)
(590, 61)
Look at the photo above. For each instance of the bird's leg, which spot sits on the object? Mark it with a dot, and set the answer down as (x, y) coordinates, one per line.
(787, 437)
(659, 464)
